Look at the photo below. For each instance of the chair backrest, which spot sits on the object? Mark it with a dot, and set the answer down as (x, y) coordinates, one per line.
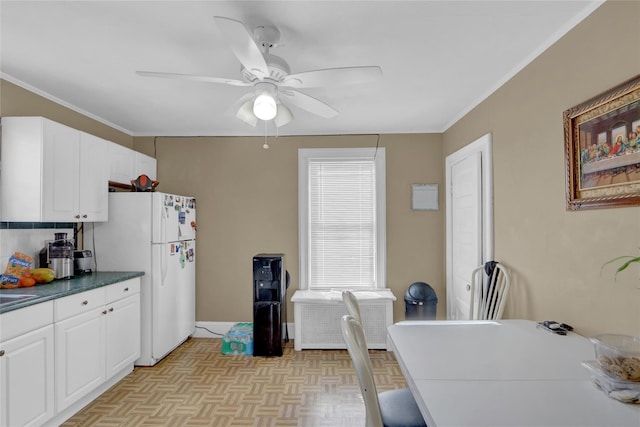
(489, 293)
(351, 303)
(353, 336)
(353, 309)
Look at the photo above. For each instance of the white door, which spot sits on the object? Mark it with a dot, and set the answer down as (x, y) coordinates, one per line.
(469, 221)
(466, 218)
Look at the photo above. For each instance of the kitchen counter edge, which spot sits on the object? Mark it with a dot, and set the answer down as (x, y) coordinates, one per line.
(62, 288)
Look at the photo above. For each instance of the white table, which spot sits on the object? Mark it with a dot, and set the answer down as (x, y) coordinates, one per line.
(507, 373)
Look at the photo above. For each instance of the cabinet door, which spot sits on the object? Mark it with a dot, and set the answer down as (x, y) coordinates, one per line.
(60, 172)
(79, 356)
(145, 165)
(93, 180)
(26, 369)
(21, 171)
(122, 164)
(122, 334)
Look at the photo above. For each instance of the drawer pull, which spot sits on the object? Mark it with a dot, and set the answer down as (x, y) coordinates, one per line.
(85, 302)
(1, 353)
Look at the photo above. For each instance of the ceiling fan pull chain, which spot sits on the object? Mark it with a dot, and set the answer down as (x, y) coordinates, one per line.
(266, 145)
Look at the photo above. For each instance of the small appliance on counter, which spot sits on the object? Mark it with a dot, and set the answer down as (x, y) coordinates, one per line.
(58, 256)
(82, 262)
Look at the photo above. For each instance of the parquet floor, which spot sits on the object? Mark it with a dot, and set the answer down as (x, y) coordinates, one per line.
(198, 386)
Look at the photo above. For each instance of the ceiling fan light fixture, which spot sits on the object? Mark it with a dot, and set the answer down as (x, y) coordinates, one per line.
(283, 116)
(245, 113)
(264, 107)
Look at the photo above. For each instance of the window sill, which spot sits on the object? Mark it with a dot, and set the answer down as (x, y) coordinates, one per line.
(335, 295)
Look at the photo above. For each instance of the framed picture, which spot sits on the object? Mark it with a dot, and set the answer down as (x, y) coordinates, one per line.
(602, 149)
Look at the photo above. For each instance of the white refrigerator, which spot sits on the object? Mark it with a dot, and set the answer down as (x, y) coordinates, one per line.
(156, 233)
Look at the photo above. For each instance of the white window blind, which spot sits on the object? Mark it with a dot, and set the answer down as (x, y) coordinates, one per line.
(342, 223)
(342, 218)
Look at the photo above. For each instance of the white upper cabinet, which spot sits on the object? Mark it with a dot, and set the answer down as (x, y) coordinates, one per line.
(145, 165)
(122, 164)
(126, 165)
(52, 173)
(94, 183)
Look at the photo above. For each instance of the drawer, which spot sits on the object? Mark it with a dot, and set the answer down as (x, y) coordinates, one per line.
(123, 289)
(78, 303)
(23, 320)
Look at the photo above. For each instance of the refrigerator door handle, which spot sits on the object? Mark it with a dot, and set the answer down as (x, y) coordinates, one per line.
(163, 263)
(163, 224)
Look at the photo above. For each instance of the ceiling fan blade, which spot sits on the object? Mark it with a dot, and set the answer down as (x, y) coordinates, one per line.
(283, 116)
(309, 103)
(243, 46)
(333, 76)
(205, 79)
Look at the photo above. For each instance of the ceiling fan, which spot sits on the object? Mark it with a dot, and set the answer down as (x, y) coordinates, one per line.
(270, 77)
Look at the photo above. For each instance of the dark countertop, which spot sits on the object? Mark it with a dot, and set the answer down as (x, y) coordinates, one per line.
(62, 288)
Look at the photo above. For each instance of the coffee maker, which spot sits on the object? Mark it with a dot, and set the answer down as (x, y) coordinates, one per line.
(58, 256)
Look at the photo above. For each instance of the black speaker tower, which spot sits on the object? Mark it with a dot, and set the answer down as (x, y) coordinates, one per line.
(270, 282)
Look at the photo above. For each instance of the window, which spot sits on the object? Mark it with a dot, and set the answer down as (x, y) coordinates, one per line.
(341, 196)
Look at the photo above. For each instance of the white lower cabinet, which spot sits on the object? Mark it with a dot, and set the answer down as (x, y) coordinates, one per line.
(26, 366)
(122, 334)
(79, 357)
(97, 336)
(26, 385)
(57, 356)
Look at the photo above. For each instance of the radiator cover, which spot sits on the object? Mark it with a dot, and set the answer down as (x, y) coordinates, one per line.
(317, 320)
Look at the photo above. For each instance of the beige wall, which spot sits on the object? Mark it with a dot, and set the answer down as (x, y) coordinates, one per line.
(16, 101)
(556, 255)
(247, 204)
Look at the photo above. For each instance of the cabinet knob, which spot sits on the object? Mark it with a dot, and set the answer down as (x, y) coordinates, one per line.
(77, 216)
(85, 216)
(85, 302)
(111, 310)
(104, 312)
(126, 289)
(1, 353)
(468, 287)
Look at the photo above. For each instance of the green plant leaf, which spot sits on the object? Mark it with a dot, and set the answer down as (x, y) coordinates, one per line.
(626, 264)
(617, 259)
(629, 260)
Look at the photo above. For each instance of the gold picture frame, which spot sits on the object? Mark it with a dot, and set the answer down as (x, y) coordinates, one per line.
(602, 149)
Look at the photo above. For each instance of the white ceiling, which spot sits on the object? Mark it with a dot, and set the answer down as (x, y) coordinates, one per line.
(439, 58)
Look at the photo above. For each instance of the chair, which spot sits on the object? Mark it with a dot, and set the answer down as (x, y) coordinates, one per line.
(395, 408)
(489, 293)
(353, 308)
(351, 303)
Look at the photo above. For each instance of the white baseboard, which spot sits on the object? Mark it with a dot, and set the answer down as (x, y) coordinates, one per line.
(219, 329)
